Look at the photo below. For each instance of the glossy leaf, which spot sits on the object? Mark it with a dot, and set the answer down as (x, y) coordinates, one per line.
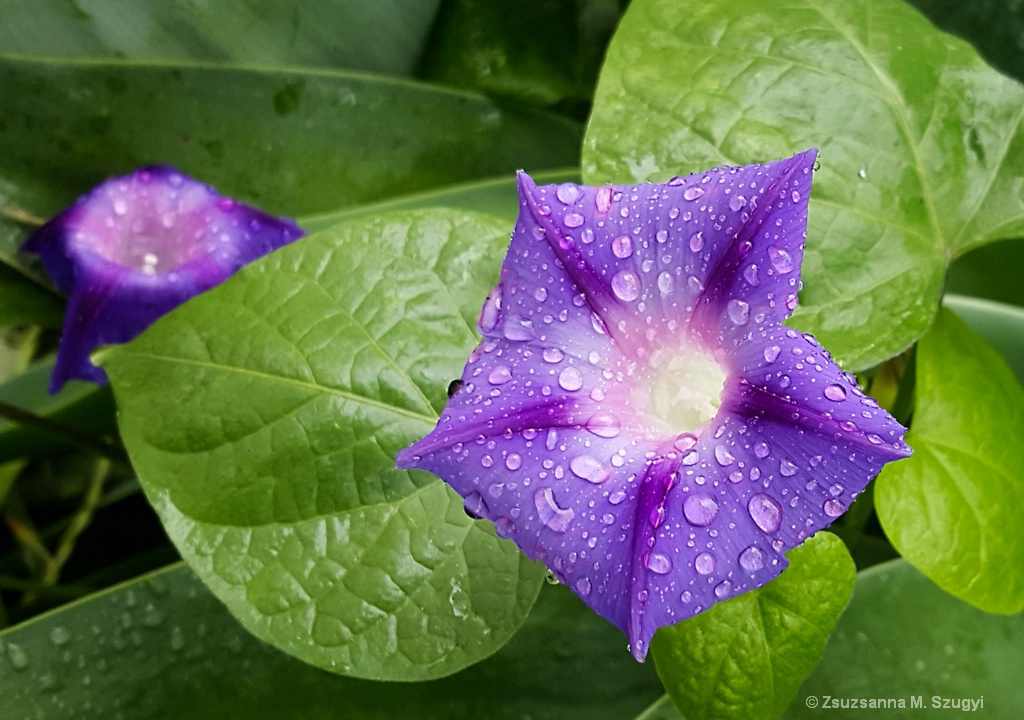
(920, 141)
(291, 143)
(494, 196)
(270, 463)
(991, 271)
(384, 36)
(1002, 327)
(902, 637)
(745, 658)
(953, 509)
(163, 646)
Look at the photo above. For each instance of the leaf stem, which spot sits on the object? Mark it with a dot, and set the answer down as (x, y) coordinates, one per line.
(79, 522)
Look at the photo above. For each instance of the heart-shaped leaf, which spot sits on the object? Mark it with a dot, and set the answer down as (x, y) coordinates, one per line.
(263, 419)
(162, 646)
(745, 658)
(953, 509)
(921, 142)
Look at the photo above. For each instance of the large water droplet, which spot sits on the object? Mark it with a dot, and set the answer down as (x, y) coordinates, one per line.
(739, 311)
(752, 559)
(603, 199)
(765, 512)
(567, 193)
(692, 193)
(723, 589)
(787, 468)
(590, 469)
(700, 509)
(604, 425)
(500, 375)
(626, 285)
(761, 450)
(551, 440)
(658, 563)
(513, 461)
(570, 379)
(553, 355)
(705, 563)
(697, 242)
(665, 283)
(622, 246)
(554, 517)
(684, 441)
(834, 508)
(504, 527)
(771, 353)
(518, 329)
(835, 393)
(583, 586)
(17, 655)
(573, 220)
(750, 275)
(59, 635)
(781, 260)
(723, 456)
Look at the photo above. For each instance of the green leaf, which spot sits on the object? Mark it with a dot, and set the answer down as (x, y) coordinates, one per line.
(164, 647)
(290, 142)
(497, 197)
(263, 418)
(745, 658)
(921, 142)
(902, 637)
(383, 36)
(953, 508)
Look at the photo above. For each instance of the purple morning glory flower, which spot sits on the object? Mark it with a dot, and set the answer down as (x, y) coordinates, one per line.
(636, 416)
(136, 247)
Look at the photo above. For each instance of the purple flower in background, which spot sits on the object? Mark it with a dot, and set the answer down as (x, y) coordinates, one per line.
(136, 247)
(637, 417)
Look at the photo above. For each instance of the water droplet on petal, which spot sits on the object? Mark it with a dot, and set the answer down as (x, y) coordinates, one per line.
(567, 193)
(752, 559)
(700, 509)
(487, 461)
(626, 285)
(834, 508)
(697, 242)
(723, 456)
(603, 199)
(787, 468)
(589, 469)
(604, 425)
(617, 497)
(552, 355)
(765, 512)
(692, 193)
(570, 379)
(504, 527)
(489, 312)
(665, 283)
(658, 563)
(781, 260)
(518, 329)
(771, 353)
(554, 517)
(572, 220)
(750, 275)
(622, 246)
(705, 563)
(514, 461)
(500, 375)
(723, 589)
(540, 294)
(739, 311)
(761, 450)
(583, 586)
(835, 393)
(684, 441)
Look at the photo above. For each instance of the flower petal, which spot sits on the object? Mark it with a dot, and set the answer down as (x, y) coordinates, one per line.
(136, 247)
(637, 418)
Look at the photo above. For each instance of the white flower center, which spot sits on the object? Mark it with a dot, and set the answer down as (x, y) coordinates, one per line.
(684, 389)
